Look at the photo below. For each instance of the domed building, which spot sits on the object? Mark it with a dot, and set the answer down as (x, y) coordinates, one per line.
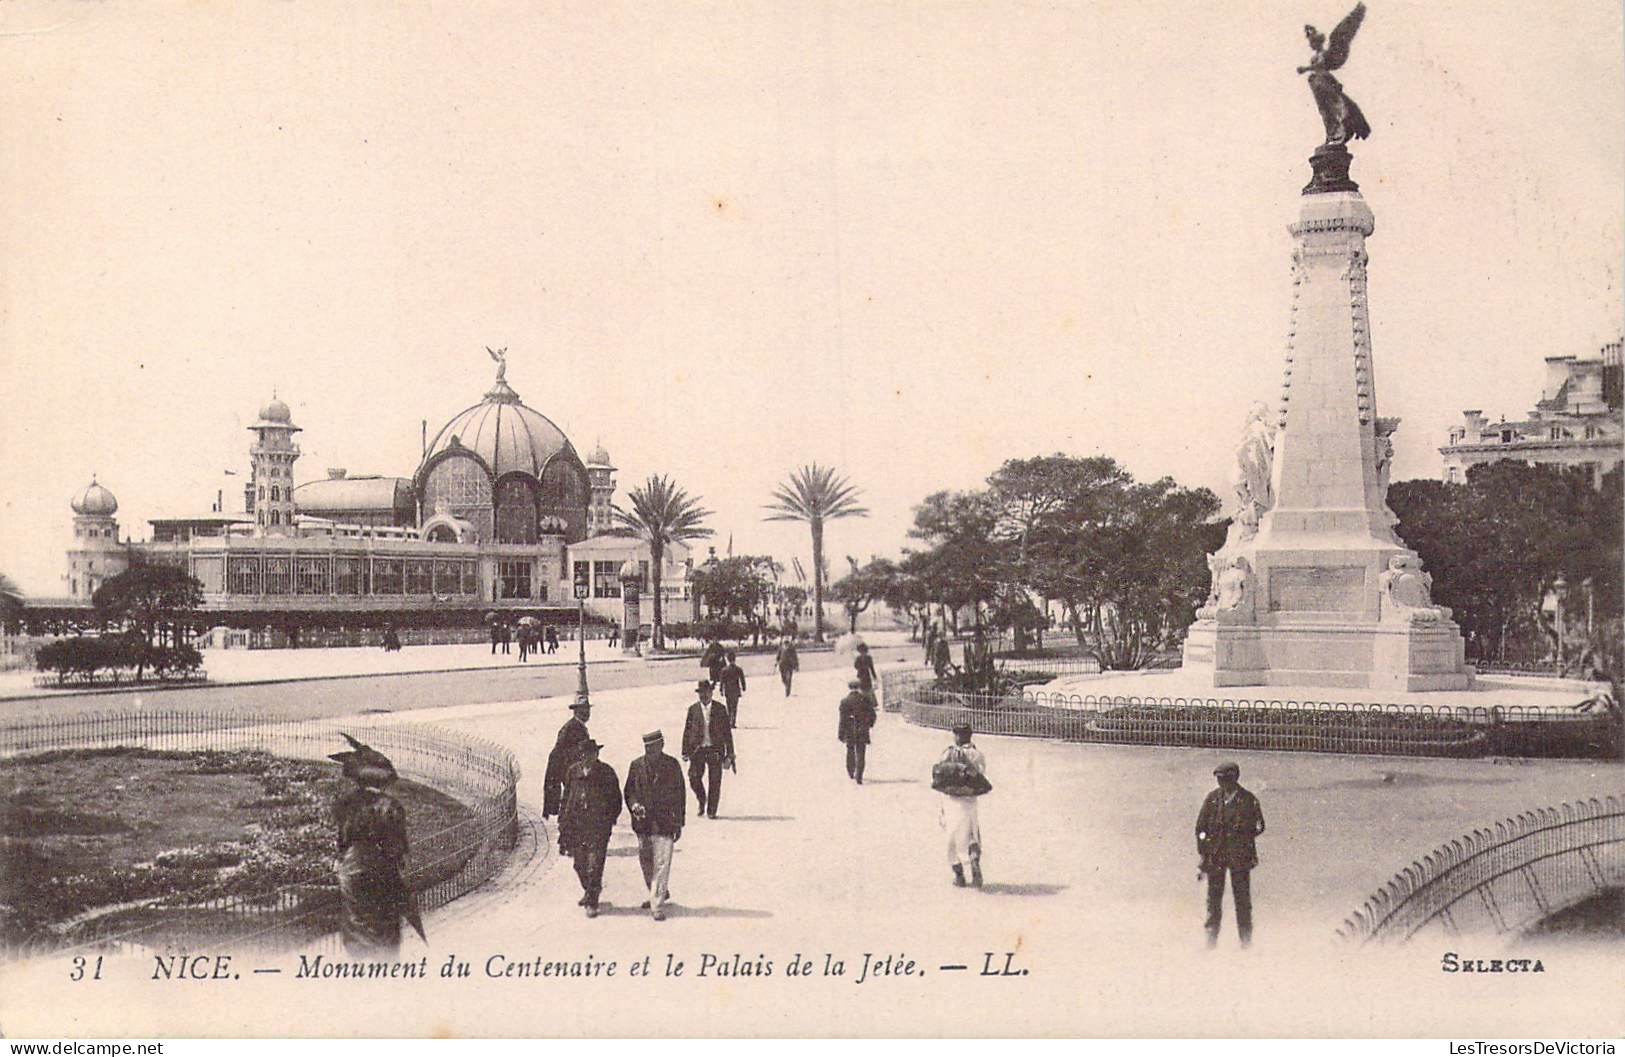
(505, 471)
(500, 514)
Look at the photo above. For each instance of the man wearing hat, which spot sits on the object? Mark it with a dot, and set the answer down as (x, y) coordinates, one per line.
(708, 744)
(857, 716)
(655, 797)
(592, 803)
(565, 750)
(1226, 828)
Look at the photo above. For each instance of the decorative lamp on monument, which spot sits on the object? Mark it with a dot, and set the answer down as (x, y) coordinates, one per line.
(631, 614)
(582, 587)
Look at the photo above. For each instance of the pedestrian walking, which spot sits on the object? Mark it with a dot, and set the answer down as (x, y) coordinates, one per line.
(525, 638)
(1227, 828)
(733, 687)
(713, 660)
(614, 636)
(965, 769)
(857, 718)
(371, 823)
(864, 665)
(655, 798)
(941, 655)
(552, 639)
(565, 749)
(930, 638)
(496, 636)
(392, 639)
(708, 746)
(787, 662)
(592, 803)
(507, 639)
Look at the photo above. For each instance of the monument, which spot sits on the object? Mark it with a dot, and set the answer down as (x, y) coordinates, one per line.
(1313, 587)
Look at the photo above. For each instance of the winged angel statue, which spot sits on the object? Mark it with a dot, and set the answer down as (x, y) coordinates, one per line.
(1341, 116)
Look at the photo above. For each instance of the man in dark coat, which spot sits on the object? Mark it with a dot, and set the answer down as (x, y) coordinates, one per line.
(655, 797)
(857, 717)
(864, 665)
(592, 803)
(565, 750)
(787, 662)
(733, 687)
(713, 660)
(708, 744)
(1226, 828)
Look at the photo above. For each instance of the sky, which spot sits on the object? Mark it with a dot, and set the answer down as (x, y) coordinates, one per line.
(911, 240)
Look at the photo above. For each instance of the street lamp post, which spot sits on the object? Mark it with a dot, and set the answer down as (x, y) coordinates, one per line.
(582, 586)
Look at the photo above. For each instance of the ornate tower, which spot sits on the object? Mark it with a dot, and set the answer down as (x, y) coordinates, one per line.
(269, 494)
(601, 479)
(96, 554)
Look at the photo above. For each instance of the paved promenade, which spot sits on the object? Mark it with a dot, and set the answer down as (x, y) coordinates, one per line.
(1092, 890)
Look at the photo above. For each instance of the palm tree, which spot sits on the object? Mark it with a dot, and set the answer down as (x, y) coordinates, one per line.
(816, 494)
(661, 514)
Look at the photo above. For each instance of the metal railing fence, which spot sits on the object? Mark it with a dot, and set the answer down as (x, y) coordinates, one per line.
(1501, 879)
(441, 866)
(1299, 725)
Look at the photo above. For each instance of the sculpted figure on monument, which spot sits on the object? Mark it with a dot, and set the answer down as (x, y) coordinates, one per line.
(1216, 563)
(1406, 592)
(1255, 460)
(1236, 589)
(1338, 112)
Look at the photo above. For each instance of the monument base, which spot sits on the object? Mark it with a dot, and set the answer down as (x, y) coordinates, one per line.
(1394, 656)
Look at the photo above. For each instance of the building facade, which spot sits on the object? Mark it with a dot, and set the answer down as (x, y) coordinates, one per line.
(1576, 422)
(497, 514)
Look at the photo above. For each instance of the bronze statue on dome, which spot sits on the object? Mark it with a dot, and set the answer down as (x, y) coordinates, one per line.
(501, 356)
(1342, 118)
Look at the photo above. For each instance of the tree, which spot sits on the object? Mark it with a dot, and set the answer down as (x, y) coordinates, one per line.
(147, 596)
(815, 494)
(1127, 560)
(862, 586)
(11, 601)
(737, 588)
(661, 514)
(1497, 546)
(791, 599)
(965, 564)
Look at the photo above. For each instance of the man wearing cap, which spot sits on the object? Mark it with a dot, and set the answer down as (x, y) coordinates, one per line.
(565, 750)
(958, 815)
(708, 744)
(733, 686)
(857, 716)
(1226, 828)
(655, 797)
(592, 803)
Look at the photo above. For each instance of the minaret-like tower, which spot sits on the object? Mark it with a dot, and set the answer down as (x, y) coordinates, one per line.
(269, 495)
(601, 479)
(96, 555)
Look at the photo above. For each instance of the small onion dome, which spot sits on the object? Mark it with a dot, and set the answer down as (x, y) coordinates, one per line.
(276, 411)
(630, 570)
(95, 501)
(599, 457)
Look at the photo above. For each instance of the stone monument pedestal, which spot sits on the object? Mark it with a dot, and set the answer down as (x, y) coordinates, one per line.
(1312, 587)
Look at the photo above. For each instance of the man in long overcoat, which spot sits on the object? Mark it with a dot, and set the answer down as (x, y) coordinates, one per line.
(857, 717)
(1226, 828)
(655, 797)
(788, 662)
(733, 686)
(592, 803)
(565, 750)
(708, 744)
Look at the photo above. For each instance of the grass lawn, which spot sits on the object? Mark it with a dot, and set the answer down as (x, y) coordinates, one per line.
(103, 840)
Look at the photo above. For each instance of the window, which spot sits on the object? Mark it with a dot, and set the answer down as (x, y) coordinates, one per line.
(471, 578)
(262, 491)
(419, 576)
(276, 493)
(1506, 436)
(606, 581)
(350, 576)
(513, 579)
(447, 577)
(313, 576)
(243, 576)
(1556, 433)
(262, 518)
(516, 512)
(387, 576)
(454, 485)
(1591, 433)
(276, 517)
(277, 576)
(582, 571)
(1452, 474)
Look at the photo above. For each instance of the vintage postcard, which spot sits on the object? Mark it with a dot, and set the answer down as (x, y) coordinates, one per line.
(829, 519)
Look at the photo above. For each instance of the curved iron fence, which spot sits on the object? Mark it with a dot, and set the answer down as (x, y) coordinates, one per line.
(1300, 725)
(440, 867)
(1501, 879)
